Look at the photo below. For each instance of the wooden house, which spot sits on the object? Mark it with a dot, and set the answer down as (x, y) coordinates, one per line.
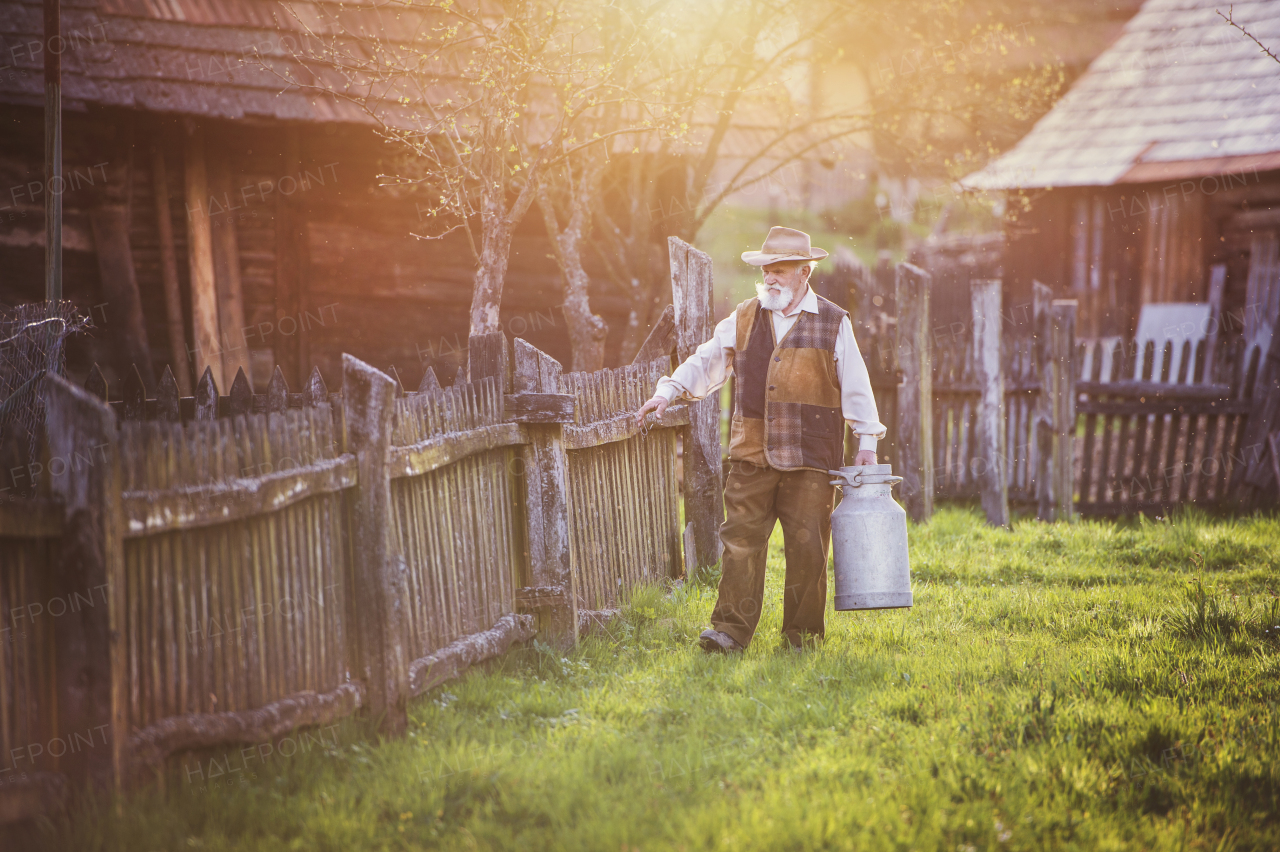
(1155, 181)
(209, 205)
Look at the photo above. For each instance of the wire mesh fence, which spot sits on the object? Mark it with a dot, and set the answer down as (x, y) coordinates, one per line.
(32, 341)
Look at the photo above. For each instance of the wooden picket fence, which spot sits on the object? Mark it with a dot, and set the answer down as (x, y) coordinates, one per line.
(1162, 428)
(268, 566)
(223, 569)
(29, 534)
(236, 563)
(456, 521)
(628, 529)
(956, 400)
(1095, 427)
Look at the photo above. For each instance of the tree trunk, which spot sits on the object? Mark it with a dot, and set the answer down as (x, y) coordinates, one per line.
(495, 253)
(587, 331)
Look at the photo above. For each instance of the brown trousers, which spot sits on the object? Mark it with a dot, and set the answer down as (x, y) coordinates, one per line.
(755, 498)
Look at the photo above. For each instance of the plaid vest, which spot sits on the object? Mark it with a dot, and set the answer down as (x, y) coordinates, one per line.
(787, 410)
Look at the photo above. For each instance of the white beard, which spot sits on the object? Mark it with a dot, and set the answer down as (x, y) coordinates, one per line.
(771, 301)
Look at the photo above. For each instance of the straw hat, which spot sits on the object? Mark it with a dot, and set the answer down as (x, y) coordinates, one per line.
(783, 244)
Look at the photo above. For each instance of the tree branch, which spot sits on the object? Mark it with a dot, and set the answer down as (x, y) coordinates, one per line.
(1230, 19)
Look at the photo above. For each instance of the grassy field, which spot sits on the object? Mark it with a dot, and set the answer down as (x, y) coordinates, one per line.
(1096, 686)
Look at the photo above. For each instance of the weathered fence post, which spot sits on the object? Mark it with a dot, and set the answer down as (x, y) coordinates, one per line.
(487, 356)
(546, 477)
(1263, 419)
(380, 593)
(915, 394)
(1042, 429)
(993, 478)
(703, 489)
(90, 641)
(1055, 323)
(661, 340)
(848, 285)
(1062, 354)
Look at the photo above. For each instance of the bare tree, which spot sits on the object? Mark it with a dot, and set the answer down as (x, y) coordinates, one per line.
(626, 121)
(745, 82)
(495, 95)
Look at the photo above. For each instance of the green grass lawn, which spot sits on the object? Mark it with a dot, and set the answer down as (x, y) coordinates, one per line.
(1096, 686)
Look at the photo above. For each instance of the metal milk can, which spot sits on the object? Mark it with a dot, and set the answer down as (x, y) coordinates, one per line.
(869, 535)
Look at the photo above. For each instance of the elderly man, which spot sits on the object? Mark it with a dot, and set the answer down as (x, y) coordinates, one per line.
(800, 377)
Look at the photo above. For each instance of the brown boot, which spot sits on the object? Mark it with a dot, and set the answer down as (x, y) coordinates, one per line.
(715, 642)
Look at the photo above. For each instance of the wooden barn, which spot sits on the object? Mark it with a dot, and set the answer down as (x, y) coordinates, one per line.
(1150, 193)
(195, 176)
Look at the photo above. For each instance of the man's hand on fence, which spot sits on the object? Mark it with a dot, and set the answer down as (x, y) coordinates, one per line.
(865, 457)
(658, 405)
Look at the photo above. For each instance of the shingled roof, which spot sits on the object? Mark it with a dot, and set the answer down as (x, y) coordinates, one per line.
(1180, 94)
(216, 58)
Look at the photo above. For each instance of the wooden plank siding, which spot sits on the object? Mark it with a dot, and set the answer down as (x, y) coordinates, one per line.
(327, 259)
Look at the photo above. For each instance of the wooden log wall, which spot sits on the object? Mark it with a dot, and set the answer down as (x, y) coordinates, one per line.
(623, 489)
(1159, 439)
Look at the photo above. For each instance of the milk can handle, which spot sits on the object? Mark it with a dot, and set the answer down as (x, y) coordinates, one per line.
(856, 481)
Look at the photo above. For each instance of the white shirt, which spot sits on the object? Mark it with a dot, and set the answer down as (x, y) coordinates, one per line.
(711, 364)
